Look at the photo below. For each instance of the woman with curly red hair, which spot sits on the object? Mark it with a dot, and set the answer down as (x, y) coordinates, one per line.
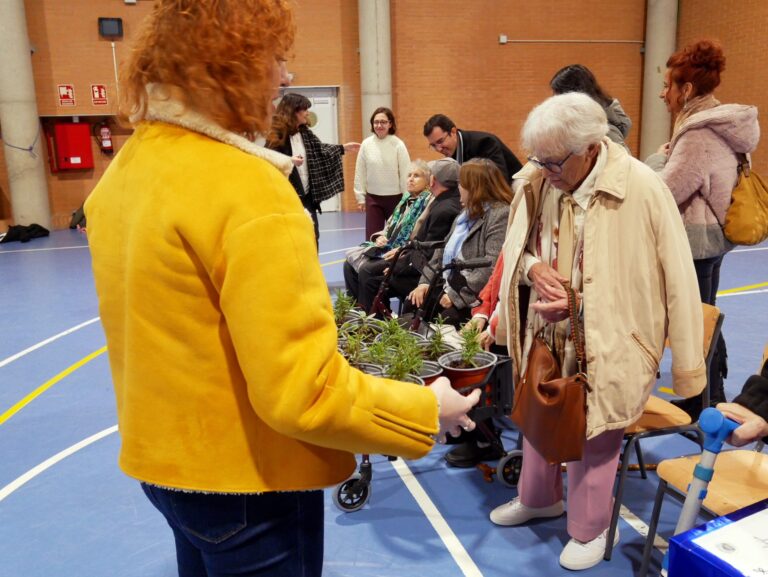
(699, 165)
(233, 404)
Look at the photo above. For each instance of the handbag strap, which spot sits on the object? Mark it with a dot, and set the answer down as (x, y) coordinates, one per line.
(576, 328)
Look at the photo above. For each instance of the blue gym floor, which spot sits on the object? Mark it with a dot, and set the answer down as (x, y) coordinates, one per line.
(67, 510)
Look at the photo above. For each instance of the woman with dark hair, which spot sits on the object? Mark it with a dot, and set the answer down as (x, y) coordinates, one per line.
(381, 171)
(318, 173)
(699, 165)
(477, 232)
(579, 78)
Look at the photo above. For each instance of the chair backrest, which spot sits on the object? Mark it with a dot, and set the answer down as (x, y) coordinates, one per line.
(713, 324)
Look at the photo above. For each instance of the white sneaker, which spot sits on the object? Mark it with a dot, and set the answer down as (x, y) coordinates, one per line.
(515, 513)
(577, 555)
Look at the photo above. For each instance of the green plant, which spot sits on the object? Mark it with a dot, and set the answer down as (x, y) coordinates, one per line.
(378, 353)
(353, 348)
(436, 344)
(470, 344)
(404, 358)
(342, 306)
(367, 327)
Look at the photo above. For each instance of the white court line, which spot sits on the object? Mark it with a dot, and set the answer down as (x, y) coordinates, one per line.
(46, 342)
(333, 251)
(452, 543)
(638, 525)
(446, 534)
(43, 249)
(48, 463)
(340, 229)
(741, 294)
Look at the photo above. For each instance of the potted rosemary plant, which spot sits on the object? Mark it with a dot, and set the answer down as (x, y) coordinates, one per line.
(471, 363)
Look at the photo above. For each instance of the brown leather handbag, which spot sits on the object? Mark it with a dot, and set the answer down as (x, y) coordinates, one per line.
(550, 410)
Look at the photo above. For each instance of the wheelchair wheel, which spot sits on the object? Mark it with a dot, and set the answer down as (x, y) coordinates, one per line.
(508, 469)
(352, 494)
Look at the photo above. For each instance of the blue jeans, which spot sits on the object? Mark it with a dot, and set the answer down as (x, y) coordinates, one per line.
(223, 535)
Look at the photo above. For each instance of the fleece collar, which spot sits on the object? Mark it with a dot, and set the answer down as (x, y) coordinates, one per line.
(162, 108)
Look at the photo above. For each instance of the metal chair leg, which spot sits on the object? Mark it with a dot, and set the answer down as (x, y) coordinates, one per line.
(652, 527)
(617, 498)
(640, 461)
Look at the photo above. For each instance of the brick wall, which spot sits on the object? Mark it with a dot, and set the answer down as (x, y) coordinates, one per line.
(446, 58)
(739, 26)
(326, 54)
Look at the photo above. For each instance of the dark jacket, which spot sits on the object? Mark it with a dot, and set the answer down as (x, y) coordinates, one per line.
(437, 224)
(484, 240)
(754, 395)
(474, 144)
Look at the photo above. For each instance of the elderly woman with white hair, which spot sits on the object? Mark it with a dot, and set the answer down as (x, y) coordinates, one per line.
(626, 255)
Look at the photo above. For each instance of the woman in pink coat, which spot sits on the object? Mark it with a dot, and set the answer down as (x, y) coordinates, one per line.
(699, 166)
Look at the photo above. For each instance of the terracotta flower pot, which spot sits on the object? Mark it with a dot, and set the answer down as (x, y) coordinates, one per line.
(461, 377)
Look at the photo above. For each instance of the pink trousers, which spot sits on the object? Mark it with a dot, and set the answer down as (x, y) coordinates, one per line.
(590, 484)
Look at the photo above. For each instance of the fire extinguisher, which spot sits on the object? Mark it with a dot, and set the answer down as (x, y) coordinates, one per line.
(104, 136)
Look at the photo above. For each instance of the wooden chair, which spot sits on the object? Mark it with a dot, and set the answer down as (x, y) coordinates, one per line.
(740, 479)
(660, 417)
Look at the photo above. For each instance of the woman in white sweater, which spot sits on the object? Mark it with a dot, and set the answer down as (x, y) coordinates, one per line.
(381, 171)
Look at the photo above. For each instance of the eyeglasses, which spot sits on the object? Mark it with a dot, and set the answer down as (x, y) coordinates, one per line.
(553, 167)
(439, 142)
(380, 122)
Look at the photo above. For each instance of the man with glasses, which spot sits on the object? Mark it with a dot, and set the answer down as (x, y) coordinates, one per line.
(462, 145)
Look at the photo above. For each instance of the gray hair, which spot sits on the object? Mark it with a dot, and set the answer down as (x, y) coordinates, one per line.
(563, 124)
(422, 167)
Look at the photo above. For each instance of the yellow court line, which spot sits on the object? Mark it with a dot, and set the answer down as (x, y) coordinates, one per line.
(333, 262)
(742, 288)
(45, 386)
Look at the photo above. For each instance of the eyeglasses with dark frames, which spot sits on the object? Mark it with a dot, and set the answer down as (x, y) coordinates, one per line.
(439, 141)
(551, 166)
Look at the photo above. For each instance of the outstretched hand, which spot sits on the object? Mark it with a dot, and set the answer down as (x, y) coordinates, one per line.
(453, 408)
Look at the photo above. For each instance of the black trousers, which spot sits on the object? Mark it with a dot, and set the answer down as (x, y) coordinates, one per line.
(364, 283)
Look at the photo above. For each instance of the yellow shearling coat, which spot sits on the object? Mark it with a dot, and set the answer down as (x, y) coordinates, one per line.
(219, 324)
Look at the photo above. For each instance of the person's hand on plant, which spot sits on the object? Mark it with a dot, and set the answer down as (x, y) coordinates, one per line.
(453, 408)
(547, 282)
(486, 340)
(445, 301)
(753, 427)
(417, 295)
(477, 322)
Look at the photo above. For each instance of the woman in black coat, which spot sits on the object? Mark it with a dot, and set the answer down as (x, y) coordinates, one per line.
(317, 173)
